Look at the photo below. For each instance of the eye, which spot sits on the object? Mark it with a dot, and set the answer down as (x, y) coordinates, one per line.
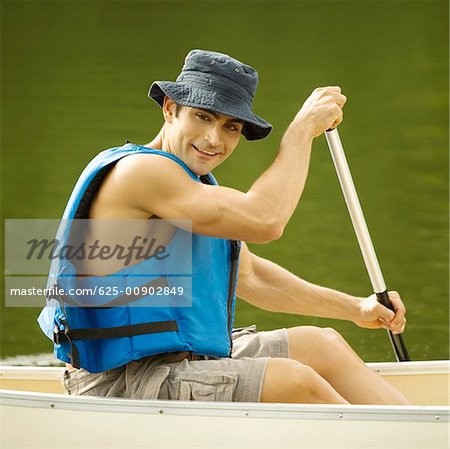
(202, 117)
(233, 127)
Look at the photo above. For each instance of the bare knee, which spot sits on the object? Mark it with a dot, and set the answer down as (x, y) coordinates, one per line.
(333, 338)
(322, 348)
(290, 381)
(320, 337)
(328, 336)
(337, 348)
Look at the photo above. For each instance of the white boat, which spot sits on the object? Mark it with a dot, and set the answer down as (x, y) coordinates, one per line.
(35, 413)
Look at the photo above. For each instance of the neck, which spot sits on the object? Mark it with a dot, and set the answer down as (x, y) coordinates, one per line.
(157, 142)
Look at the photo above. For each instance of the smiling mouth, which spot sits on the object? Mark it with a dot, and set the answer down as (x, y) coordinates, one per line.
(205, 152)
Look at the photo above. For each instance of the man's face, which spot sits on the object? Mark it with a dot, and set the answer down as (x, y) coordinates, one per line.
(200, 138)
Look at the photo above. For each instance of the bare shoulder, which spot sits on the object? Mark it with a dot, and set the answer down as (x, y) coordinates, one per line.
(136, 183)
(142, 176)
(149, 165)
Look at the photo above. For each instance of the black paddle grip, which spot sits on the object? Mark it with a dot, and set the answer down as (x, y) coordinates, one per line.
(396, 339)
(383, 298)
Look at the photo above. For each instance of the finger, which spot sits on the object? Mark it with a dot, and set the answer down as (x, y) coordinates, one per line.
(341, 100)
(384, 313)
(397, 302)
(330, 88)
(338, 114)
(398, 319)
(334, 88)
(398, 307)
(338, 121)
(397, 328)
(332, 92)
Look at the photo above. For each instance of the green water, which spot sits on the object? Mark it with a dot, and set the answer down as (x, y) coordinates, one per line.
(74, 78)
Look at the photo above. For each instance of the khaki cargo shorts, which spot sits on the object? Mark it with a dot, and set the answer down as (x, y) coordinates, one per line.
(181, 376)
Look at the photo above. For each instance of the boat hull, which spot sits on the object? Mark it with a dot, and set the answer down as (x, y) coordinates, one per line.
(52, 420)
(33, 420)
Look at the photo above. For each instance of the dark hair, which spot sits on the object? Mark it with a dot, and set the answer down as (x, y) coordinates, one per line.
(178, 109)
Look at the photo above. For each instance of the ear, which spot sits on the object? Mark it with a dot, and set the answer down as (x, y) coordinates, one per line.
(169, 107)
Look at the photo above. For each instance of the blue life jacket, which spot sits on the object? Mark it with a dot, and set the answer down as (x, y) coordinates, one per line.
(119, 330)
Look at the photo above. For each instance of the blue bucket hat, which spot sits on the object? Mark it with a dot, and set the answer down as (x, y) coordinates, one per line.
(218, 83)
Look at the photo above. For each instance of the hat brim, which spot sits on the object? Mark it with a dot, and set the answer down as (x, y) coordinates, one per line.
(254, 128)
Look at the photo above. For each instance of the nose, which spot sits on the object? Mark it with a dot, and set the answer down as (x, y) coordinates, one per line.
(213, 136)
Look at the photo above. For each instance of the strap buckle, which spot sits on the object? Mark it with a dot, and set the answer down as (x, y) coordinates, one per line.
(56, 335)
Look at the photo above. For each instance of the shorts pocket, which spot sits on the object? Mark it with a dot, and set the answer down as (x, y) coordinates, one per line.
(144, 380)
(204, 387)
(81, 382)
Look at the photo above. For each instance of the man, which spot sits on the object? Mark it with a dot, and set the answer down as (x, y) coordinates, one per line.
(183, 353)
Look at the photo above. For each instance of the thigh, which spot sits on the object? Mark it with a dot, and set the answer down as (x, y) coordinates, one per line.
(288, 380)
(248, 342)
(227, 379)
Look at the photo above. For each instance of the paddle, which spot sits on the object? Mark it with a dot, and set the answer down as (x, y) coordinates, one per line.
(362, 233)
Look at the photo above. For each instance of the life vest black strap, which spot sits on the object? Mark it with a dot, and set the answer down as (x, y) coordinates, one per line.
(112, 332)
(97, 333)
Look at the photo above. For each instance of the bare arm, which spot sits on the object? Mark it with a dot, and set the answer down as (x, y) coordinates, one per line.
(158, 186)
(270, 287)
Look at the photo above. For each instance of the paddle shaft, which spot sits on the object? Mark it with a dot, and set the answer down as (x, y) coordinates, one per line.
(362, 233)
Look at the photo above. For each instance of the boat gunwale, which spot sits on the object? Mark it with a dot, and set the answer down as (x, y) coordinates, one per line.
(411, 368)
(18, 372)
(335, 412)
(384, 368)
